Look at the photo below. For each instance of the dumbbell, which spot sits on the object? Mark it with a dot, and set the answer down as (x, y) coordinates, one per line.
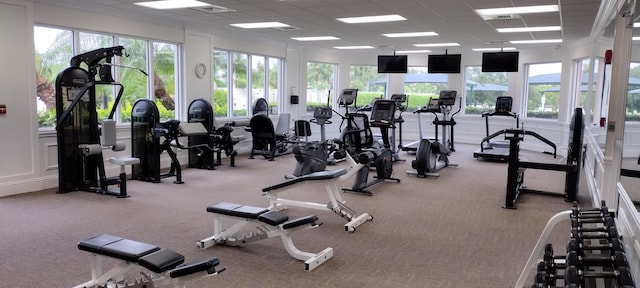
(604, 220)
(591, 212)
(575, 245)
(594, 233)
(573, 277)
(616, 259)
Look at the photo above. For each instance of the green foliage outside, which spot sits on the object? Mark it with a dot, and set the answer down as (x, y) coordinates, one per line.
(414, 100)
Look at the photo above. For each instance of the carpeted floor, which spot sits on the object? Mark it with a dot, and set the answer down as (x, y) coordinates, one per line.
(445, 232)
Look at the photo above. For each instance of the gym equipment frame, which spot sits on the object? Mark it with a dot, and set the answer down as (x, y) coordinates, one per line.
(516, 169)
(168, 266)
(268, 224)
(80, 159)
(336, 203)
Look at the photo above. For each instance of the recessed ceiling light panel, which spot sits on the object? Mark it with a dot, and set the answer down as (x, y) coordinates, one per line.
(257, 25)
(494, 49)
(173, 4)
(370, 19)
(437, 44)
(315, 38)
(536, 41)
(518, 10)
(410, 34)
(529, 29)
(353, 47)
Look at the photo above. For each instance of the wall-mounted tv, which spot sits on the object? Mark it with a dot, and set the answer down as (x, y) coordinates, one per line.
(446, 63)
(392, 63)
(500, 61)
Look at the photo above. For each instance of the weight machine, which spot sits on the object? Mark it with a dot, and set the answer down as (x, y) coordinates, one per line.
(78, 129)
(217, 140)
(516, 169)
(150, 138)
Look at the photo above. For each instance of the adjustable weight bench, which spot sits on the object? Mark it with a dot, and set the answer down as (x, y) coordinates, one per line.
(268, 224)
(169, 266)
(336, 203)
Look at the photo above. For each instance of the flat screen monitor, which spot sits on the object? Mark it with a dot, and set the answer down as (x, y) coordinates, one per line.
(392, 63)
(447, 63)
(500, 61)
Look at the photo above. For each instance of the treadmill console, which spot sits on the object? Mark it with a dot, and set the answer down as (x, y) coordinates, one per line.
(503, 105)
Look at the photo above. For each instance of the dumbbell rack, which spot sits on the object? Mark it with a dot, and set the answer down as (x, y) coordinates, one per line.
(595, 254)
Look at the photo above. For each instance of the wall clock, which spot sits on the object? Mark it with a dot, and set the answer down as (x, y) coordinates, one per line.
(201, 70)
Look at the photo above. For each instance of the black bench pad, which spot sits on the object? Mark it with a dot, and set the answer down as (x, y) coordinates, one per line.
(117, 247)
(273, 218)
(161, 260)
(237, 210)
(300, 221)
(194, 267)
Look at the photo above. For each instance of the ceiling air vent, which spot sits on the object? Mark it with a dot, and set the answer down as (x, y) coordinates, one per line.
(501, 17)
(288, 28)
(213, 9)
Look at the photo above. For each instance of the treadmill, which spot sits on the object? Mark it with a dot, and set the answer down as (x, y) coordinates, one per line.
(490, 148)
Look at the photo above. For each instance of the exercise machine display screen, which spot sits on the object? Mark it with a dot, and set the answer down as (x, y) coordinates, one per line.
(447, 98)
(348, 96)
(383, 111)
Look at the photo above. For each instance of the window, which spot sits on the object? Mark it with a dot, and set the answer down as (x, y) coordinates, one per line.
(220, 83)
(482, 89)
(633, 98)
(320, 81)
(55, 47)
(420, 86)
(368, 82)
(543, 90)
(164, 56)
(585, 93)
(262, 74)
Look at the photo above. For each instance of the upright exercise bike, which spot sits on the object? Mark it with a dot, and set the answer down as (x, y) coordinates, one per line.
(382, 116)
(433, 155)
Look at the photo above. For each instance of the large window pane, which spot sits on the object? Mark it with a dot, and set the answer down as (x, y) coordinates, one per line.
(543, 90)
(54, 49)
(220, 83)
(369, 83)
(320, 77)
(275, 81)
(164, 78)
(240, 93)
(258, 79)
(420, 86)
(482, 89)
(105, 94)
(633, 99)
(135, 83)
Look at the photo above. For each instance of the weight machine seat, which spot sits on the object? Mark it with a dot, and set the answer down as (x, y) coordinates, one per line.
(272, 218)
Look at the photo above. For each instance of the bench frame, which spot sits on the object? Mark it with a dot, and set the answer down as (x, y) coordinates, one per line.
(336, 203)
(228, 236)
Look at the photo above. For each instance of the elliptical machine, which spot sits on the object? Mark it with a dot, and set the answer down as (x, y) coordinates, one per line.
(433, 155)
(382, 116)
(311, 156)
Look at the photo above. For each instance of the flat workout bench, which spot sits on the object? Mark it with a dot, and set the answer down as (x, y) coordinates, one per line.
(278, 225)
(161, 261)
